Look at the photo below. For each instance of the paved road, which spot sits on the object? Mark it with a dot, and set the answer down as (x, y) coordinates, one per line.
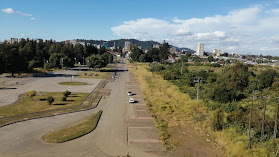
(109, 139)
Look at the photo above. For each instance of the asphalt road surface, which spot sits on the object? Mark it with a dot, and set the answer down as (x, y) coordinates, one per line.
(109, 138)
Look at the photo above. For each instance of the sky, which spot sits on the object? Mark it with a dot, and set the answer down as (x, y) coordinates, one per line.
(234, 26)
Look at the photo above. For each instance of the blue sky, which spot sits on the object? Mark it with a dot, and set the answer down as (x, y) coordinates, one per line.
(232, 26)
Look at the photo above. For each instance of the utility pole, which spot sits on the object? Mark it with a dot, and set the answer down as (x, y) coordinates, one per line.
(198, 80)
(276, 118)
(250, 120)
(263, 119)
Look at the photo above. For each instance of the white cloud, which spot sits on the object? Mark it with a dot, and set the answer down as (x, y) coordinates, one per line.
(241, 30)
(8, 10)
(23, 14)
(12, 11)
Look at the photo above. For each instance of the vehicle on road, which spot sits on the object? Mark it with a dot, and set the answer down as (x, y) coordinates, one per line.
(131, 100)
(130, 93)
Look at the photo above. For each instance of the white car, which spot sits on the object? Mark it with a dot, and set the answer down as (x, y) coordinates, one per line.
(131, 100)
(130, 93)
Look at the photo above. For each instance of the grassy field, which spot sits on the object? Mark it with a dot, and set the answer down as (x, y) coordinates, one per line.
(73, 83)
(74, 131)
(38, 103)
(175, 112)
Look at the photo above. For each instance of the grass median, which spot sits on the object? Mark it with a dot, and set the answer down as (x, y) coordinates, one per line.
(74, 131)
(38, 103)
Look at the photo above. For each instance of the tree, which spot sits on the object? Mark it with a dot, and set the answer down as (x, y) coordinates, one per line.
(136, 53)
(153, 55)
(225, 54)
(2, 64)
(67, 93)
(164, 52)
(50, 100)
(218, 122)
(55, 60)
(210, 59)
(142, 58)
(266, 78)
(31, 94)
(96, 61)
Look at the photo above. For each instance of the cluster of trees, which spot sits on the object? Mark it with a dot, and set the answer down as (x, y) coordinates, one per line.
(154, 54)
(228, 90)
(28, 54)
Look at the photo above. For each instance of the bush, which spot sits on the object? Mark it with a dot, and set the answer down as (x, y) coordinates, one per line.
(217, 122)
(66, 93)
(64, 98)
(31, 94)
(50, 100)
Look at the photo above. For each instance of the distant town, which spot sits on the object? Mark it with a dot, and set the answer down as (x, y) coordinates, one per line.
(126, 46)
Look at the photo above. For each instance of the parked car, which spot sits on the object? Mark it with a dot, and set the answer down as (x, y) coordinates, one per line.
(131, 100)
(130, 93)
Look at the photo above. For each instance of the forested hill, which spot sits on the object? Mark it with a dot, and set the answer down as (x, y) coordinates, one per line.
(121, 42)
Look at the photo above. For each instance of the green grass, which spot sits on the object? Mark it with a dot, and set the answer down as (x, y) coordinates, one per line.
(74, 131)
(38, 103)
(92, 74)
(74, 83)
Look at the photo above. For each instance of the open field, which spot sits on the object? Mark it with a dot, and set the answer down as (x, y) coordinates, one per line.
(74, 131)
(38, 103)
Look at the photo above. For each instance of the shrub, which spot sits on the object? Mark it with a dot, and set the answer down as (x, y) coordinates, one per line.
(64, 98)
(66, 93)
(217, 122)
(31, 94)
(50, 100)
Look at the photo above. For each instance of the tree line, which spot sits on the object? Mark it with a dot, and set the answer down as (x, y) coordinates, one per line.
(154, 54)
(27, 54)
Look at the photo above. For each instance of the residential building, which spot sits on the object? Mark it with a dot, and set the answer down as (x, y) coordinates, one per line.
(172, 50)
(217, 52)
(127, 46)
(156, 46)
(200, 49)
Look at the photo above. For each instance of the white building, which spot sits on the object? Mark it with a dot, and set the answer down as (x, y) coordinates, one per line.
(127, 46)
(217, 52)
(74, 42)
(200, 49)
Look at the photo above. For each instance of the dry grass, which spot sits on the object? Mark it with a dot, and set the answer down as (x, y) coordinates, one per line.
(38, 103)
(74, 131)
